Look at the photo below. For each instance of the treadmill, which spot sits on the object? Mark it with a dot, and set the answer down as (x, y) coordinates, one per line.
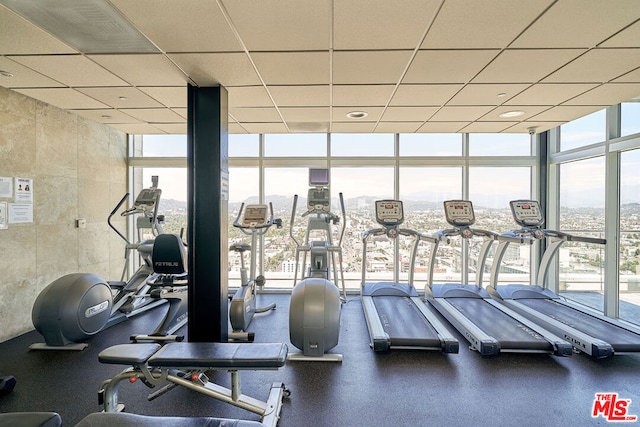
(590, 332)
(396, 316)
(490, 327)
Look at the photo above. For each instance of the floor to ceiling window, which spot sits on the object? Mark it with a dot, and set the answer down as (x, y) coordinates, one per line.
(423, 170)
(629, 251)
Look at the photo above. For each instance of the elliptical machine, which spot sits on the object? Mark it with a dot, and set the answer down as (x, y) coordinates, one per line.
(314, 312)
(78, 305)
(255, 222)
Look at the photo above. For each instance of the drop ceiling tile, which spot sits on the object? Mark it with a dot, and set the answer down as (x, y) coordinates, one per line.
(65, 98)
(23, 76)
(529, 111)
(138, 129)
(274, 25)
(153, 115)
(549, 94)
(264, 127)
(487, 94)
(305, 114)
(578, 23)
(399, 127)
(143, 70)
(255, 115)
(457, 23)
(361, 95)
(538, 126)
(408, 114)
(236, 129)
(107, 116)
(607, 94)
(631, 77)
(447, 66)
(32, 40)
(369, 67)
(293, 68)
(249, 96)
(112, 96)
(300, 96)
(169, 96)
(72, 70)
(460, 113)
(306, 127)
(340, 114)
(353, 127)
(442, 127)
(525, 66)
(424, 95)
(181, 25)
(211, 69)
(172, 128)
(589, 67)
(364, 24)
(564, 113)
(182, 112)
(487, 127)
(626, 38)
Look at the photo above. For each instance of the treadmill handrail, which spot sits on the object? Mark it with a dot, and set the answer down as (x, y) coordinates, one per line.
(467, 233)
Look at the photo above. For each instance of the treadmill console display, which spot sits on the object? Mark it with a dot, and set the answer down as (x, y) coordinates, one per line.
(255, 216)
(389, 212)
(527, 213)
(459, 213)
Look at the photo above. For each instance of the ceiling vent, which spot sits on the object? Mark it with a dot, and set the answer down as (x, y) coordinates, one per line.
(90, 26)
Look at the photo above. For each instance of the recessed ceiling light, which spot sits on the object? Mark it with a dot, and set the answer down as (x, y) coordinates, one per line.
(4, 73)
(509, 114)
(106, 116)
(357, 114)
(122, 98)
(502, 95)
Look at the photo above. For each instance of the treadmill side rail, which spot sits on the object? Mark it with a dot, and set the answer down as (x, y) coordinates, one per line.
(485, 344)
(450, 343)
(379, 339)
(560, 345)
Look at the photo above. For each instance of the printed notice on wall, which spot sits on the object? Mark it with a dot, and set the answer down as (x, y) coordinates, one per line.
(6, 190)
(24, 190)
(3, 215)
(20, 213)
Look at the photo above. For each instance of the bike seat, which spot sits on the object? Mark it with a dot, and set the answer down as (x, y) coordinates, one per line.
(240, 247)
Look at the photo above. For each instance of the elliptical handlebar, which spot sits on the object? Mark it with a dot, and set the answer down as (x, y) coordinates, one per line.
(113, 212)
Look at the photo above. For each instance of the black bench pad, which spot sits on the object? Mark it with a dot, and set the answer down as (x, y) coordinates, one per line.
(30, 419)
(121, 419)
(128, 354)
(220, 355)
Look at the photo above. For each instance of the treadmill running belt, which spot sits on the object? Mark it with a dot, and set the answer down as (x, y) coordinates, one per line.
(621, 339)
(511, 333)
(404, 323)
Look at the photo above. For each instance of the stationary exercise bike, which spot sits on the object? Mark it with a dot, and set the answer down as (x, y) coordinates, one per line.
(314, 313)
(255, 222)
(76, 306)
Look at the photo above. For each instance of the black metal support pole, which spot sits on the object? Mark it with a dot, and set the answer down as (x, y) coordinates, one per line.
(208, 188)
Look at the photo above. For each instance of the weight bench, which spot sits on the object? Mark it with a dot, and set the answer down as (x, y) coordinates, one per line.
(185, 363)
